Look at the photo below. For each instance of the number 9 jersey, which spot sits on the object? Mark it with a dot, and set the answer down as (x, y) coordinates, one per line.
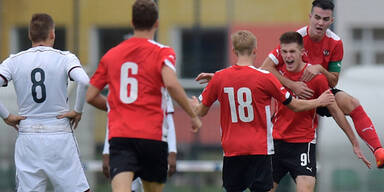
(136, 98)
(40, 76)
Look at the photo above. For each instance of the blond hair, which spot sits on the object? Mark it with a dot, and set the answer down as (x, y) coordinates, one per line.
(243, 42)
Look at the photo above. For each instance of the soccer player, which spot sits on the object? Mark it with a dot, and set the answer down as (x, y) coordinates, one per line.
(245, 94)
(324, 51)
(138, 71)
(171, 139)
(46, 149)
(295, 132)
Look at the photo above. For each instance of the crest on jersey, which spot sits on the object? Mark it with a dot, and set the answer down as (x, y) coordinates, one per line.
(326, 52)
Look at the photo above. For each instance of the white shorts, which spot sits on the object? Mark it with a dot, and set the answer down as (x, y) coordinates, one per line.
(53, 157)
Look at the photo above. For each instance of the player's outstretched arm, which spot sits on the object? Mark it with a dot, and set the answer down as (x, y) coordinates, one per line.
(95, 99)
(178, 94)
(204, 78)
(201, 109)
(323, 100)
(299, 88)
(340, 119)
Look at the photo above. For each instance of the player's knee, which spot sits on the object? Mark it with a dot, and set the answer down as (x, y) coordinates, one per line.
(346, 102)
(355, 102)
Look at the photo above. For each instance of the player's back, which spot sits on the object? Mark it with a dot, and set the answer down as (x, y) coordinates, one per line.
(139, 92)
(40, 77)
(245, 93)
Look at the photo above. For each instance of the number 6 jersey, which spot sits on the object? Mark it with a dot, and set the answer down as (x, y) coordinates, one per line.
(40, 76)
(136, 97)
(245, 94)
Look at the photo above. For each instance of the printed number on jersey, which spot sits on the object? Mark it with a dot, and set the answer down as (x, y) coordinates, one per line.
(244, 108)
(128, 85)
(39, 93)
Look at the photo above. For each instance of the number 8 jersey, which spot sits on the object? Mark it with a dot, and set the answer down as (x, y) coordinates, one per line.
(245, 94)
(40, 76)
(136, 97)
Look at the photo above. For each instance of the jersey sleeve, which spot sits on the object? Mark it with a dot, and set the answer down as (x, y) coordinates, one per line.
(5, 72)
(210, 93)
(168, 58)
(336, 57)
(72, 63)
(274, 88)
(275, 56)
(99, 78)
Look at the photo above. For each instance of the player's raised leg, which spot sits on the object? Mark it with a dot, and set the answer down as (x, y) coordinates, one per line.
(363, 124)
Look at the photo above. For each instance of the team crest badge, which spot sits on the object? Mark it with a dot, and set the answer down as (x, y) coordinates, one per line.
(325, 52)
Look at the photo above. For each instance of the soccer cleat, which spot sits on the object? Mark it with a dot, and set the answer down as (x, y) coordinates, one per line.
(379, 155)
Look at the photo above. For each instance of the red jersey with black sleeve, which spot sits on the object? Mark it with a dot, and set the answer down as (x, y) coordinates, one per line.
(245, 94)
(328, 52)
(136, 98)
(298, 127)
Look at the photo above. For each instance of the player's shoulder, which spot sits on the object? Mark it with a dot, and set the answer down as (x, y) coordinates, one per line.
(258, 70)
(162, 48)
(157, 44)
(332, 35)
(303, 31)
(41, 49)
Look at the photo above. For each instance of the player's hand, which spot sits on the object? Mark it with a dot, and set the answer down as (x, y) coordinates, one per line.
(106, 165)
(310, 72)
(73, 116)
(14, 120)
(360, 155)
(171, 163)
(196, 124)
(326, 98)
(194, 102)
(302, 90)
(204, 77)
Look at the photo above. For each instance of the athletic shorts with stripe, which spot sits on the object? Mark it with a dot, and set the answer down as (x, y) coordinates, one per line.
(293, 158)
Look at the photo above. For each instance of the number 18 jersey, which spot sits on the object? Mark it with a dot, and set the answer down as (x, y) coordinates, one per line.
(40, 76)
(136, 96)
(245, 94)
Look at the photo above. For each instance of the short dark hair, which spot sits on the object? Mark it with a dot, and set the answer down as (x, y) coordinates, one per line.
(291, 37)
(40, 26)
(144, 14)
(324, 4)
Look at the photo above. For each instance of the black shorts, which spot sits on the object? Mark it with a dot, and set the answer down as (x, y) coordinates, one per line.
(148, 159)
(295, 158)
(323, 111)
(248, 171)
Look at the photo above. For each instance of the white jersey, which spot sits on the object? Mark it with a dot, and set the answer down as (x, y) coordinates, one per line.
(40, 76)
